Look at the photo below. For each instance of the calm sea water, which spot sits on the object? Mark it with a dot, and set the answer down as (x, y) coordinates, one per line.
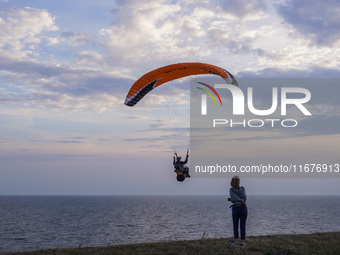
(38, 222)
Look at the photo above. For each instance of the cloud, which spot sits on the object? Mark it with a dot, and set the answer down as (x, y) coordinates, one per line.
(68, 80)
(149, 31)
(60, 86)
(142, 36)
(70, 38)
(135, 117)
(22, 30)
(151, 139)
(89, 58)
(316, 72)
(244, 9)
(222, 35)
(317, 21)
(146, 35)
(31, 67)
(68, 141)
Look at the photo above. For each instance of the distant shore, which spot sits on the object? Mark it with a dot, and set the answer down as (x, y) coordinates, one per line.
(318, 243)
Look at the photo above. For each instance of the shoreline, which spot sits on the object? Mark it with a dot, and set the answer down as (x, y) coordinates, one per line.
(316, 243)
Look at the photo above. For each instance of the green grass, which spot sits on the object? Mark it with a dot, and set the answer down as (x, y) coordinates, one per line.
(319, 243)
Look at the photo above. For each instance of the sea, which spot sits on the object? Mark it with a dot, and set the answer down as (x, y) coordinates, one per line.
(43, 222)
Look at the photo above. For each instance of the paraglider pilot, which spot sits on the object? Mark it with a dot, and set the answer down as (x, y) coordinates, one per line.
(181, 169)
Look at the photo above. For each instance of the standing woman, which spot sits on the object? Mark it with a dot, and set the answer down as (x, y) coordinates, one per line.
(238, 197)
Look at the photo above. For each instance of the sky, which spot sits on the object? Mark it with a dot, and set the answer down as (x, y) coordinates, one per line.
(66, 67)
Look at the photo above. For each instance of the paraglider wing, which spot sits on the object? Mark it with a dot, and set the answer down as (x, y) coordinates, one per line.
(159, 76)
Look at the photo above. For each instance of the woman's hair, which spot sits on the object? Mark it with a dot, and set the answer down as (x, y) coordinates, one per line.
(235, 182)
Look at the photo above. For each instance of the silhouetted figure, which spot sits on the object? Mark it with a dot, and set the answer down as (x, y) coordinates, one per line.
(238, 197)
(181, 169)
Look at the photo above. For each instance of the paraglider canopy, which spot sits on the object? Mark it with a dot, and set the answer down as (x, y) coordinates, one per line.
(165, 74)
(159, 76)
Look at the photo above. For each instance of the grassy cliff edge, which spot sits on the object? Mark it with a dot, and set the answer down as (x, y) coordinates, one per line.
(318, 243)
